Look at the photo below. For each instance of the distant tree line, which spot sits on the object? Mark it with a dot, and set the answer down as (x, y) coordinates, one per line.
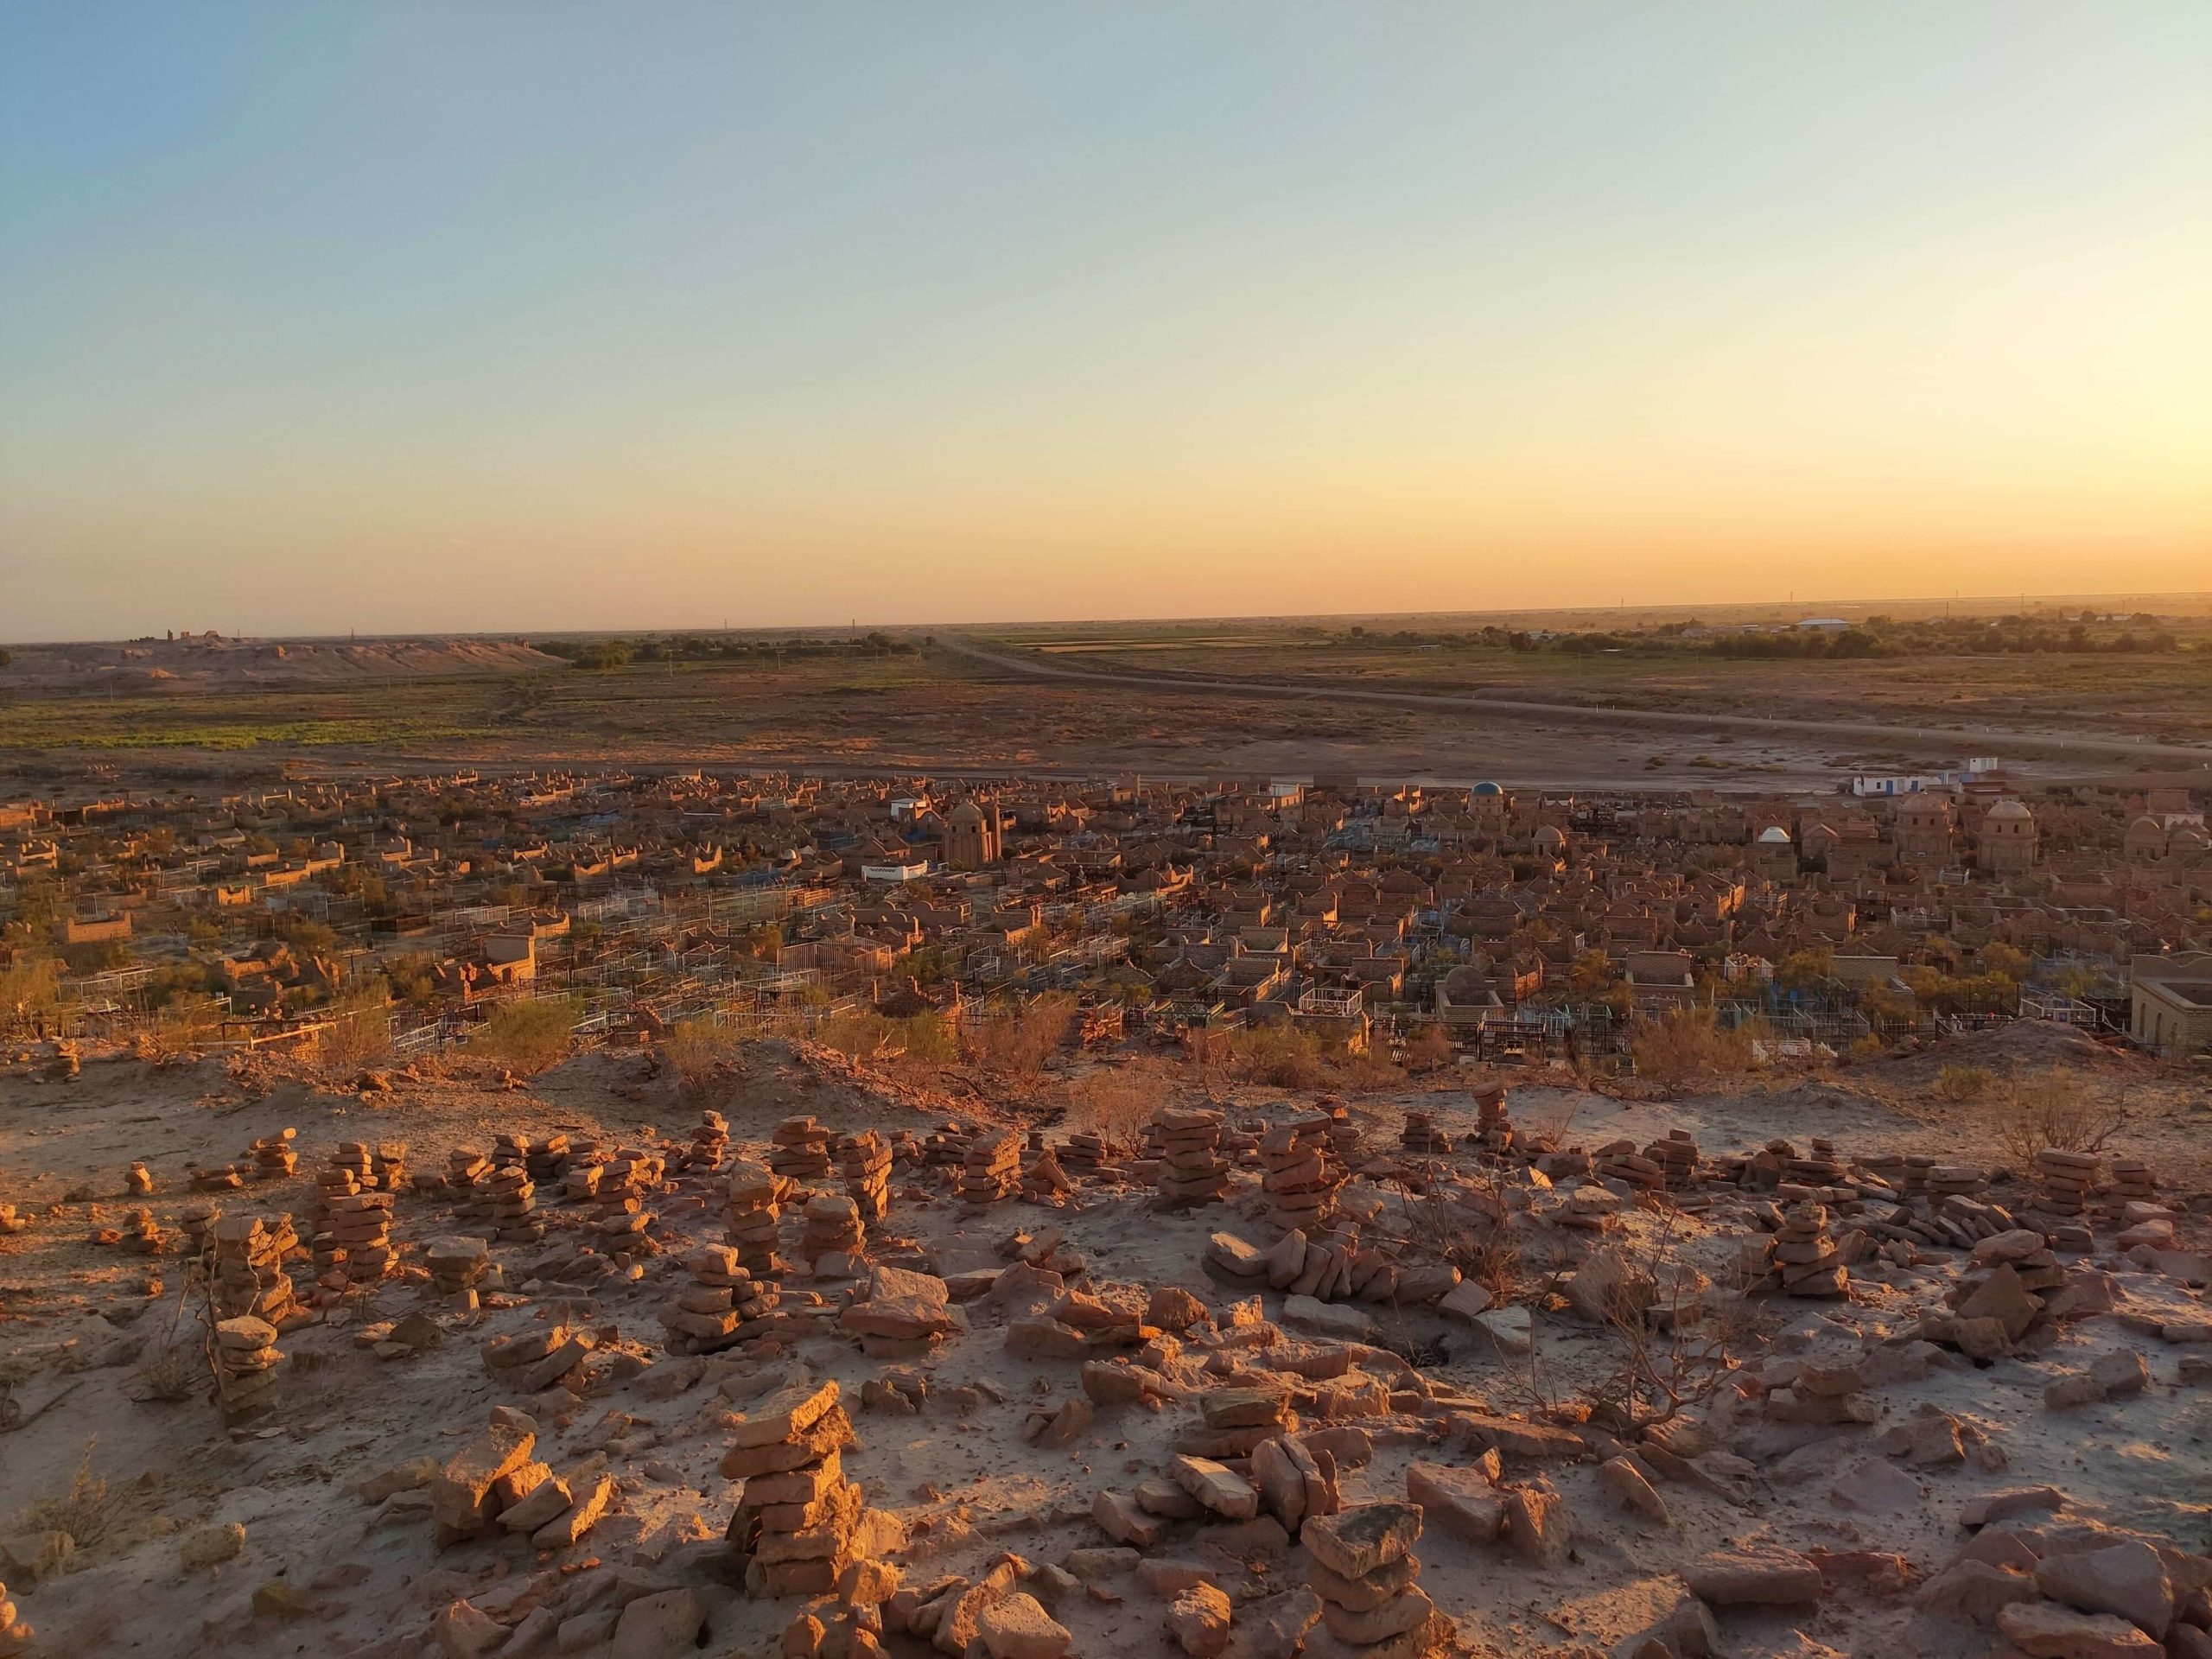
(602, 655)
(1877, 636)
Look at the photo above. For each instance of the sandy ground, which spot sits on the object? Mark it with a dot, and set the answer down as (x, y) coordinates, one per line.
(78, 1319)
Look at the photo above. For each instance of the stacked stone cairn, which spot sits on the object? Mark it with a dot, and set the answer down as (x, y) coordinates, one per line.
(622, 1219)
(1957, 1180)
(1802, 1259)
(456, 1265)
(946, 1146)
(246, 1358)
(1918, 1166)
(1362, 1567)
(387, 1165)
(1086, 1153)
(720, 1308)
(1675, 1152)
(709, 1141)
(752, 1204)
(1192, 1169)
(1493, 1128)
(864, 1165)
(1823, 1167)
(139, 1181)
(10, 1221)
(352, 1230)
(2132, 1182)
(991, 1167)
(141, 1234)
(834, 1235)
(511, 1205)
(1299, 1172)
(273, 1157)
(795, 1522)
(198, 1222)
(469, 1184)
(547, 1160)
(799, 1149)
(1619, 1161)
(1422, 1138)
(248, 1275)
(220, 1177)
(2069, 1180)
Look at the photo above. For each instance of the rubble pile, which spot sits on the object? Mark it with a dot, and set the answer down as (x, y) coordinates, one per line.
(720, 1308)
(864, 1165)
(1043, 1180)
(1619, 1161)
(799, 1149)
(990, 1169)
(795, 1522)
(1191, 1168)
(495, 1481)
(752, 1205)
(533, 1361)
(1300, 1174)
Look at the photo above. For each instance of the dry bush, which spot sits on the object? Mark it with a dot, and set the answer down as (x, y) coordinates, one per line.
(1429, 1049)
(359, 1033)
(1545, 1127)
(1685, 1043)
(86, 1510)
(1957, 1083)
(177, 1372)
(526, 1036)
(2056, 1108)
(1281, 1055)
(1020, 1038)
(693, 1050)
(1117, 1102)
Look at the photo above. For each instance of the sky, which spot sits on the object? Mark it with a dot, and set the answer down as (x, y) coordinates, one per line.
(497, 315)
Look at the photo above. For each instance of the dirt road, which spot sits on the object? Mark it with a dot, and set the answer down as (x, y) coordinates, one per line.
(1948, 740)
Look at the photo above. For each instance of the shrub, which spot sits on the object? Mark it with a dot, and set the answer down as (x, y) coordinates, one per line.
(1117, 1103)
(1957, 1083)
(693, 1049)
(1430, 1048)
(1686, 1044)
(1281, 1055)
(527, 1036)
(1020, 1038)
(2056, 1108)
(361, 1030)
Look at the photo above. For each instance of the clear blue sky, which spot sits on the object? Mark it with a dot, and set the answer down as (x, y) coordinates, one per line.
(476, 314)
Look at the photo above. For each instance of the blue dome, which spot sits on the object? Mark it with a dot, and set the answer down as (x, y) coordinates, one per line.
(1485, 788)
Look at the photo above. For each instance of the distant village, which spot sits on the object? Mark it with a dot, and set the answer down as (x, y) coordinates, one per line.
(1476, 925)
